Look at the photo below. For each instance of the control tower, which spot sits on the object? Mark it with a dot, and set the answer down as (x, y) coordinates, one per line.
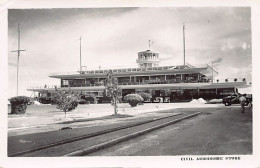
(148, 59)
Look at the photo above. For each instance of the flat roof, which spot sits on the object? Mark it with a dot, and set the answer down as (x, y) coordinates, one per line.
(161, 70)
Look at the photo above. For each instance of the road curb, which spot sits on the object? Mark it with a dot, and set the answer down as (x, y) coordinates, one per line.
(95, 148)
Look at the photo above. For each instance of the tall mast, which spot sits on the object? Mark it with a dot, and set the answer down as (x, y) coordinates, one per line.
(212, 71)
(184, 44)
(18, 55)
(80, 55)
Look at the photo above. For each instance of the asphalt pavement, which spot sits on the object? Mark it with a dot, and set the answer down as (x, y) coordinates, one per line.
(222, 130)
(217, 131)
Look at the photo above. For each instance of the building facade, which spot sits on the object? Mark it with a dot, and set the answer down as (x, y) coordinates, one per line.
(168, 83)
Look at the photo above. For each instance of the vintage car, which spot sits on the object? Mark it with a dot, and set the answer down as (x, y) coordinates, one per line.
(234, 99)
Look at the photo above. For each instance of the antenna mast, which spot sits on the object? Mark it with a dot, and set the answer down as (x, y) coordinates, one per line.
(212, 71)
(18, 55)
(184, 43)
(80, 68)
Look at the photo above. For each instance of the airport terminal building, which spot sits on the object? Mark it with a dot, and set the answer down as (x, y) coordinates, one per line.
(170, 83)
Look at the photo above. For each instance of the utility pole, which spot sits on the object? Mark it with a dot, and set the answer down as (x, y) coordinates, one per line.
(18, 55)
(212, 71)
(80, 68)
(184, 43)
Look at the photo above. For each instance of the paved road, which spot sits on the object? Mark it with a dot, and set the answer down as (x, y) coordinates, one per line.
(222, 130)
(218, 131)
(33, 140)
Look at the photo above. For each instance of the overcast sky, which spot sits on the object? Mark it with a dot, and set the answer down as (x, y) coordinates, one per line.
(112, 37)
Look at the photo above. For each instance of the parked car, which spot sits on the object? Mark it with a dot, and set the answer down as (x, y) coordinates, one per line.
(158, 100)
(234, 99)
(166, 100)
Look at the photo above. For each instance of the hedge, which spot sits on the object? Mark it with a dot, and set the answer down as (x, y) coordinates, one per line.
(133, 99)
(19, 104)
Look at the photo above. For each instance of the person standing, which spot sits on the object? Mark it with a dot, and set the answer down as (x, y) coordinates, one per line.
(242, 100)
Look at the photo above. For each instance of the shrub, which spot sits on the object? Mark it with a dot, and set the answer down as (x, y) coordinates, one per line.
(19, 104)
(83, 101)
(44, 100)
(66, 101)
(19, 99)
(145, 96)
(105, 99)
(90, 99)
(133, 99)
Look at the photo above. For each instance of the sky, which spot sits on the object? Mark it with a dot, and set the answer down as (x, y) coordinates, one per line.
(112, 37)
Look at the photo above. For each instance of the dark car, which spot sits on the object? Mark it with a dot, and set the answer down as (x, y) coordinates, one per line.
(234, 99)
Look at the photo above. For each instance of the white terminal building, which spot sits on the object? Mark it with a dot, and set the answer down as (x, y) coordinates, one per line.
(171, 83)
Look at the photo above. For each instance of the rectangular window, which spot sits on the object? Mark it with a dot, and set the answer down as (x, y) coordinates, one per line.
(65, 82)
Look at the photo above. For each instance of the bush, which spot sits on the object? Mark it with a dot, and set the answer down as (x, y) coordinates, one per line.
(133, 99)
(105, 99)
(19, 100)
(145, 96)
(90, 99)
(83, 101)
(44, 100)
(66, 101)
(19, 104)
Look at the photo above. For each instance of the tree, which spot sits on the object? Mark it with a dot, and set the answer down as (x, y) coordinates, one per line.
(217, 80)
(66, 100)
(111, 89)
(235, 80)
(226, 80)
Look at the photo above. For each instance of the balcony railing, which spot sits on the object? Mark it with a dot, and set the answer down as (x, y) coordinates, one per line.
(121, 70)
(146, 82)
(43, 87)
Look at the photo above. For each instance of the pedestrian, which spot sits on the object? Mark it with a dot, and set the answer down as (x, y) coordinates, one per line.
(242, 100)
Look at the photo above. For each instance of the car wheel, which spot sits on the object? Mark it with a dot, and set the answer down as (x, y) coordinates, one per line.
(227, 104)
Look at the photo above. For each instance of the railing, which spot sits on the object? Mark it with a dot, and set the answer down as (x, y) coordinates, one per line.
(43, 87)
(146, 82)
(64, 73)
(116, 70)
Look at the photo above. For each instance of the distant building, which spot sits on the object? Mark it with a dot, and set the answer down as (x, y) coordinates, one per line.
(170, 83)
